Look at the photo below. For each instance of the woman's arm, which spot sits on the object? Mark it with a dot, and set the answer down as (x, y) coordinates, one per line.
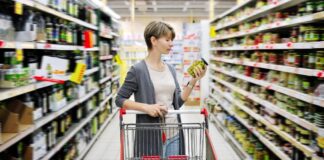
(127, 89)
(154, 110)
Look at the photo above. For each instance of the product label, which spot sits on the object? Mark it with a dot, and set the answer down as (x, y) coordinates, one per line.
(18, 8)
(78, 74)
(19, 54)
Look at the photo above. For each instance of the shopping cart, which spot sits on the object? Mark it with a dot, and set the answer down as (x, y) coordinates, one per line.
(145, 141)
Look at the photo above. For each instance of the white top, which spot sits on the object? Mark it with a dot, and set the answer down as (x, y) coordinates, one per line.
(164, 88)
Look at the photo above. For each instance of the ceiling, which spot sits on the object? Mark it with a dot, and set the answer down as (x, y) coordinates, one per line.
(169, 8)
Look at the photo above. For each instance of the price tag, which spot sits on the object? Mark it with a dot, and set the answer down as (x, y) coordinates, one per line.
(118, 59)
(320, 74)
(78, 74)
(19, 54)
(2, 44)
(18, 8)
(47, 46)
(269, 87)
(289, 44)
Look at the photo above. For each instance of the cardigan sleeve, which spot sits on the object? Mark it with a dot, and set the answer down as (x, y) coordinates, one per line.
(128, 88)
(178, 92)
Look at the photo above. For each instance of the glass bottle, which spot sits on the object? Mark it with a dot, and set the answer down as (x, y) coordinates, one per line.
(49, 30)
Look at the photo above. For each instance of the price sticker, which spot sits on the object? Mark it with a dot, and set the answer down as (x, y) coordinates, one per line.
(320, 74)
(289, 44)
(2, 44)
(19, 54)
(47, 46)
(18, 8)
(78, 74)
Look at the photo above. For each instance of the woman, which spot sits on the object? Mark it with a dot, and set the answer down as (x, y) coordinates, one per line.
(156, 91)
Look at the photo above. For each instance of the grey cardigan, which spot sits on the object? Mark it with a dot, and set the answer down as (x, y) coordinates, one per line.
(138, 81)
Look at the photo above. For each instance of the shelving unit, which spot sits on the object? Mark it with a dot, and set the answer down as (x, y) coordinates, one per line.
(230, 32)
(41, 122)
(94, 139)
(10, 140)
(265, 141)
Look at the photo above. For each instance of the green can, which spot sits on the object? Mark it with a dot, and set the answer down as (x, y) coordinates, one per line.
(202, 63)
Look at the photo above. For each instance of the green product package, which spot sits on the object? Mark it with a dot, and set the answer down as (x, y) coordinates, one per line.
(202, 63)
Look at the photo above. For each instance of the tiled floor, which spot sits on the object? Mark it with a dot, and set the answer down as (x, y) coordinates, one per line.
(107, 146)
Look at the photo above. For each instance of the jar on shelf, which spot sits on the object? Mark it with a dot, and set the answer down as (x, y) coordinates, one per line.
(310, 7)
(320, 6)
(319, 64)
(258, 154)
(294, 35)
(301, 10)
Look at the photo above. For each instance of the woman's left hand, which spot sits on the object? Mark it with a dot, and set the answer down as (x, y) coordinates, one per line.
(199, 73)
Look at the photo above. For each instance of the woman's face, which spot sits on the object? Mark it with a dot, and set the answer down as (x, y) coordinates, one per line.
(164, 44)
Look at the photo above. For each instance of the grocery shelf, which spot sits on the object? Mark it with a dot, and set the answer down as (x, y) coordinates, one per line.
(302, 122)
(276, 25)
(231, 10)
(94, 139)
(9, 93)
(106, 57)
(115, 48)
(282, 68)
(44, 120)
(265, 141)
(105, 36)
(103, 103)
(307, 150)
(91, 71)
(12, 92)
(230, 137)
(283, 4)
(293, 93)
(101, 81)
(97, 4)
(16, 45)
(72, 132)
(48, 46)
(276, 46)
(114, 34)
(88, 49)
(53, 12)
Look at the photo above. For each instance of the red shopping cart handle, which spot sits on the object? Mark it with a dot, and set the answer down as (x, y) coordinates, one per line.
(150, 158)
(179, 157)
(202, 111)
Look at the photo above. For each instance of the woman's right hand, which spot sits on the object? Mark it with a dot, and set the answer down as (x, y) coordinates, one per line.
(156, 110)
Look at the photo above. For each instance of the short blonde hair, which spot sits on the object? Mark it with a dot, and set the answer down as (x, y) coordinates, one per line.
(157, 30)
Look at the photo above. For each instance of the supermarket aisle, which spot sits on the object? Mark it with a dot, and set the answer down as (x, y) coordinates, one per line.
(107, 146)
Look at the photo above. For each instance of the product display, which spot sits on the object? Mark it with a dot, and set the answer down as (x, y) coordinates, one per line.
(47, 41)
(266, 64)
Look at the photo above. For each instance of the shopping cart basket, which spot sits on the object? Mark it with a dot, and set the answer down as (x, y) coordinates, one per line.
(145, 141)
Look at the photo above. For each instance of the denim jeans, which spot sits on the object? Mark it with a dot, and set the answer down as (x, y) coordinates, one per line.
(171, 146)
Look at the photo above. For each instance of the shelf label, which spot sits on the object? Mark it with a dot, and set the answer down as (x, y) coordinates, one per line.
(289, 44)
(320, 74)
(18, 8)
(19, 54)
(2, 43)
(47, 46)
(78, 74)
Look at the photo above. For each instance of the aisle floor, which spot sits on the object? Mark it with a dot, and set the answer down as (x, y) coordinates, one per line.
(107, 146)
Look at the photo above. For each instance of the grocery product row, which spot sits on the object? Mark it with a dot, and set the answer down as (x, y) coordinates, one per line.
(58, 79)
(267, 77)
